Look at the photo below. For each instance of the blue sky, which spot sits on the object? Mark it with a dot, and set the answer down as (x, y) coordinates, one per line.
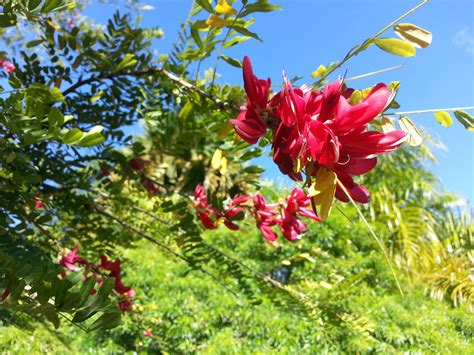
(312, 32)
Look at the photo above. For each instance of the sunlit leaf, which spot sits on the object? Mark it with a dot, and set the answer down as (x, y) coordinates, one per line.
(465, 119)
(396, 46)
(260, 6)
(234, 62)
(415, 138)
(443, 118)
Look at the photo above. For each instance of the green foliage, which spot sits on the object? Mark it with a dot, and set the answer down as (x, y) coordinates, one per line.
(71, 174)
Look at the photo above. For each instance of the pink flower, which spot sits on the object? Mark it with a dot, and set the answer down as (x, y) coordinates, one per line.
(147, 333)
(69, 260)
(6, 65)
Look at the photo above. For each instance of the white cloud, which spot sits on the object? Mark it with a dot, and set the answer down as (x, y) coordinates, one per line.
(465, 38)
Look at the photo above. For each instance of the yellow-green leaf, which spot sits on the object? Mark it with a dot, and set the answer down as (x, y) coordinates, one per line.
(415, 138)
(396, 46)
(73, 135)
(443, 118)
(96, 96)
(417, 36)
(128, 61)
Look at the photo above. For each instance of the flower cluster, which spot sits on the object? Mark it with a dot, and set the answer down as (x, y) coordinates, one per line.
(285, 214)
(323, 134)
(6, 65)
(105, 269)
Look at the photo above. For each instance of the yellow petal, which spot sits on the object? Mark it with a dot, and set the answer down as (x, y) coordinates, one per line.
(216, 21)
(318, 72)
(323, 191)
(356, 97)
(223, 164)
(224, 8)
(216, 159)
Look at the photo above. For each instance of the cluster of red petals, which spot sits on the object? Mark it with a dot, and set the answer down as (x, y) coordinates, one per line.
(286, 214)
(317, 128)
(211, 218)
(6, 65)
(105, 269)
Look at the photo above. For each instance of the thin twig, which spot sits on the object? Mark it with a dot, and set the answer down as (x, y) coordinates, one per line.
(185, 84)
(373, 73)
(427, 111)
(359, 48)
(379, 242)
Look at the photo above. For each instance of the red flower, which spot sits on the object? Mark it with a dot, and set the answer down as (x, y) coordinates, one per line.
(295, 204)
(5, 294)
(112, 266)
(137, 164)
(125, 305)
(147, 333)
(120, 287)
(257, 89)
(38, 203)
(249, 125)
(150, 186)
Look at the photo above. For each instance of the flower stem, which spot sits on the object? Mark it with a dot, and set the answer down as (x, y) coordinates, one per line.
(379, 242)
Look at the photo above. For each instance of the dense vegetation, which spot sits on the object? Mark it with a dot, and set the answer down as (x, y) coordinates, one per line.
(108, 242)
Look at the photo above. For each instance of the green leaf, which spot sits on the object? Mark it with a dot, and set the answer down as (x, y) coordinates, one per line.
(259, 6)
(57, 5)
(444, 118)
(465, 119)
(34, 43)
(7, 20)
(205, 4)
(55, 117)
(73, 135)
(236, 40)
(33, 4)
(50, 313)
(196, 37)
(107, 321)
(396, 46)
(253, 169)
(234, 62)
(14, 82)
(93, 137)
(126, 62)
(246, 32)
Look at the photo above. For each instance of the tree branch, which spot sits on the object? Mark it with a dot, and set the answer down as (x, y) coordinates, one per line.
(183, 83)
